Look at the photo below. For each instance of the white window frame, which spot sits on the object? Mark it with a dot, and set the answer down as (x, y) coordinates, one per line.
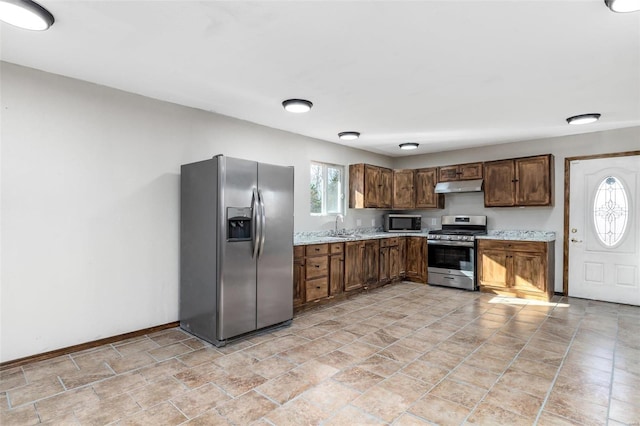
(323, 201)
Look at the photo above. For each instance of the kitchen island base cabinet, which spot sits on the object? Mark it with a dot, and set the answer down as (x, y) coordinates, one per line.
(516, 268)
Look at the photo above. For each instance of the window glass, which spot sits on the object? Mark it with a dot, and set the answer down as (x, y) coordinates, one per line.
(326, 189)
(610, 211)
(316, 188)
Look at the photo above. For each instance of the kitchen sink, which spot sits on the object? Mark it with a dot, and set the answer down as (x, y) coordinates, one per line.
(347, 236)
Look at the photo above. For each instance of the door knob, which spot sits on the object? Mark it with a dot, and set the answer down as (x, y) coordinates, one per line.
(573, 240)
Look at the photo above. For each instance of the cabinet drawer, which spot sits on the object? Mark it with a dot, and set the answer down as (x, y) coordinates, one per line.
(298, 251)
(317, 289)
(317, 249)
(510, 245)
(337, 248)
(393, 241)
(316, 267)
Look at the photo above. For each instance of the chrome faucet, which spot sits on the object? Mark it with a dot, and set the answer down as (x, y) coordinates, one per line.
(338, 216)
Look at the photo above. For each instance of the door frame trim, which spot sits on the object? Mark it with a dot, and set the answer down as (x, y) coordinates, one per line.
(567, 191)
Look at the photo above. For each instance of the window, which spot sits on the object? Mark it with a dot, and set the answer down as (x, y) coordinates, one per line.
(326, 189)
(610, 211)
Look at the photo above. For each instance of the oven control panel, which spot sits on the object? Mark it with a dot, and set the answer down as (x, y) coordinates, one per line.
(450, 237)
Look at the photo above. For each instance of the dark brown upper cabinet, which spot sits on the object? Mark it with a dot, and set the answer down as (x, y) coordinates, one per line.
(403, 189)
(526, 181)
(467, 171)
(369, 186)
(425, 185)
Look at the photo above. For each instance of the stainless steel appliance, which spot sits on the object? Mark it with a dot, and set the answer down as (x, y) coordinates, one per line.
(236, 247)
(451, 251)
(402, 223)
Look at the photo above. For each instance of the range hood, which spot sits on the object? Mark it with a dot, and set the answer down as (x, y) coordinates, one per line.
(459, 186)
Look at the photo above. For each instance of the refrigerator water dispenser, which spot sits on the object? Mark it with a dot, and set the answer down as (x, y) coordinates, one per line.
(239, 223)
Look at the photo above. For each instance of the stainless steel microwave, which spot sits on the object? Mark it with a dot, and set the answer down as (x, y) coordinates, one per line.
(402, 222)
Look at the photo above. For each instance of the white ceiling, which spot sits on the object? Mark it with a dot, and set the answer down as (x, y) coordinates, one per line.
(448, 74)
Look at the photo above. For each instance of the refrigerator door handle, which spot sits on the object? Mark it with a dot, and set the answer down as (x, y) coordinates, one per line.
(256, 229)
(263, 222)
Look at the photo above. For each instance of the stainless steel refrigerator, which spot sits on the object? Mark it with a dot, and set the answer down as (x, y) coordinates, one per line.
(236, 247)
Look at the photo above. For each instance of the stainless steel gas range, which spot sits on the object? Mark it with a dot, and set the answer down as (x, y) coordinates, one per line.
(451, 251)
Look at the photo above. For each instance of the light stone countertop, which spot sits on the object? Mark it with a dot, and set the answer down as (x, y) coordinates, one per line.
(520, 235)
(322, 237)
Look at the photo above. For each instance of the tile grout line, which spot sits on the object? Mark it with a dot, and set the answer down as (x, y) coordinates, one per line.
(451, 371)
(613, 365)
(555, 377)
(510, 363)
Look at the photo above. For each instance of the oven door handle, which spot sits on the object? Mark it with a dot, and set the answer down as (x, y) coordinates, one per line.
(451, 243)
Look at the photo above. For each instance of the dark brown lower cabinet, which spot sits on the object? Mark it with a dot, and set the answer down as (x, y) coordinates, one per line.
(336, 269)
(324, 271)
(298, 276)
(390, 259)
(353, 265)
(385, 263)
(417, 259)
(516, 268)
(361, 264)
(371, 261)
(402, 257)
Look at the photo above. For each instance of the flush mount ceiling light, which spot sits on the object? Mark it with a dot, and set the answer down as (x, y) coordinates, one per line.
(409, 145)
(297, 105)
(25, 14)
(348, 136)
(583, 118)
(623, 6)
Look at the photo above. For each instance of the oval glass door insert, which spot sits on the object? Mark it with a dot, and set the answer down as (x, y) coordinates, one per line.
(610, 211)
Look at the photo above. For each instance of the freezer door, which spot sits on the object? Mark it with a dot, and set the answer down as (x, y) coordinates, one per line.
(237, 279)
(275, 258)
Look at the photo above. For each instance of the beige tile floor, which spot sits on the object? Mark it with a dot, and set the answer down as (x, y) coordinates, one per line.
(405, 354)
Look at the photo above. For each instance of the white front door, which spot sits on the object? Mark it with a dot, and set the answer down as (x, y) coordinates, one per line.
(604, 235)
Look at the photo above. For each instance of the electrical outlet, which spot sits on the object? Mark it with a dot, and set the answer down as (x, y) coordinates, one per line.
(433, 221)
(358, 222)
(373, 222)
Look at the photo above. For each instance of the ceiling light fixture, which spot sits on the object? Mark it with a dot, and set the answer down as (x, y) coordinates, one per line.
(297, 105)
(584, 118)
(409, 145)
(25, 14)
(348, 136)
(623, 6)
